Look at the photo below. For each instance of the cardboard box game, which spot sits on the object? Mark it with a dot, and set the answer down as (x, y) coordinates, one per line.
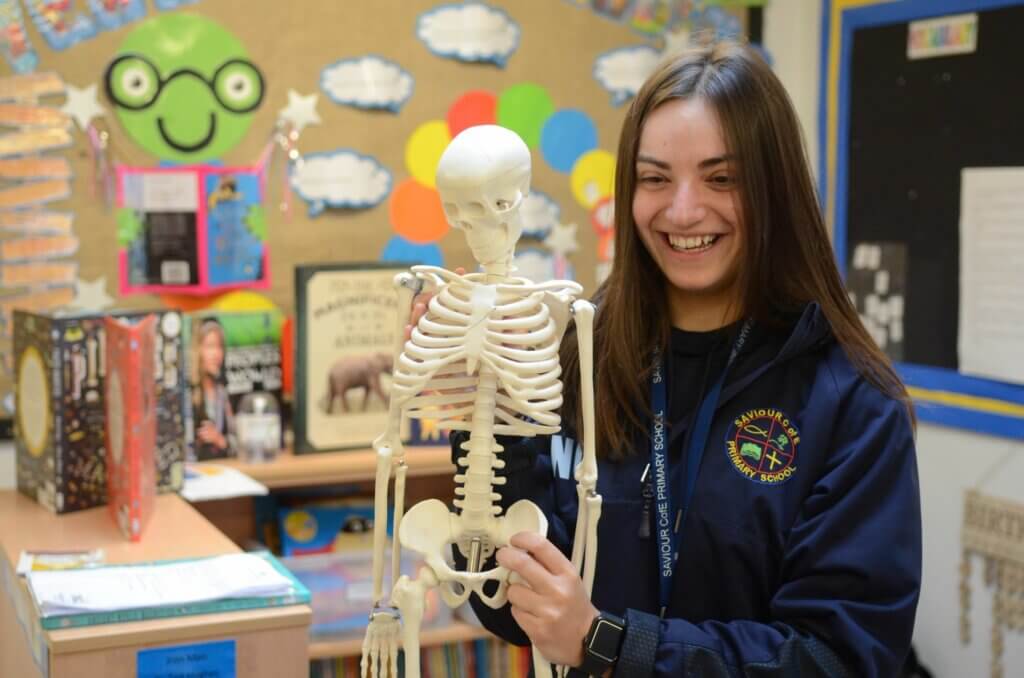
(131, 423)
(60, 370)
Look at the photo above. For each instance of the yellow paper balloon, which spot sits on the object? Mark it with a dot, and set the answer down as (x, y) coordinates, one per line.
(593, 177)
(243, 300)
(423, 151)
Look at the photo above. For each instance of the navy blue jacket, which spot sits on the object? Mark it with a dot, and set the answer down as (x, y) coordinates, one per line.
(801, 549)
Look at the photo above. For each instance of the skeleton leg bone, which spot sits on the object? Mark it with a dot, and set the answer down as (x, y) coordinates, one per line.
(410, 596)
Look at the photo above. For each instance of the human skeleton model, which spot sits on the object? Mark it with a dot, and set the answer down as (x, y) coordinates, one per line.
(483, 358)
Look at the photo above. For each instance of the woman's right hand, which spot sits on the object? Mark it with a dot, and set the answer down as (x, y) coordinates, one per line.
(419, 307)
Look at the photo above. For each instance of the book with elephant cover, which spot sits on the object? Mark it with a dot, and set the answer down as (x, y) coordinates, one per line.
(347, 324)
(233, 405)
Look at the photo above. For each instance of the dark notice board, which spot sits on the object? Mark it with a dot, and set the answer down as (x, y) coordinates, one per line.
(913, 125)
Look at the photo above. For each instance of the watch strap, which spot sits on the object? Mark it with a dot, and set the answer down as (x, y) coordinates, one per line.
(639, 645)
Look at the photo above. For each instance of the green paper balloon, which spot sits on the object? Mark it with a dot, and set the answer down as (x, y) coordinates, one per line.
(184, 88)
(524, 108)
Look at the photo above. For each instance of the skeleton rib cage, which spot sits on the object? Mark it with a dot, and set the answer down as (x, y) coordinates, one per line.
(517, 341)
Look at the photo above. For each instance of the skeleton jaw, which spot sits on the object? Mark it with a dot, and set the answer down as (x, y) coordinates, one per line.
(494, 246)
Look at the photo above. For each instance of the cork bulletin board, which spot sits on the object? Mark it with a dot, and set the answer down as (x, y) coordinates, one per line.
(557, 67)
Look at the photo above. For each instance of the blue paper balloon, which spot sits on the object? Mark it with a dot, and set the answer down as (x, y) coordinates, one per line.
(566, 136)
(401, 250)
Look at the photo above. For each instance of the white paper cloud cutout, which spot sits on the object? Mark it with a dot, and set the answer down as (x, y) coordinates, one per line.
(367, 82)
(340, 178)
(470, 31)
(622, 71)
(539, 214)
(534, 264)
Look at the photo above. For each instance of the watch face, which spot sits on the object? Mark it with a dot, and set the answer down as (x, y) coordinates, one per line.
(604, 639)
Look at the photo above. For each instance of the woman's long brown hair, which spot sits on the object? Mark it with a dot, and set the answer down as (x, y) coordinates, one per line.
(788, 259)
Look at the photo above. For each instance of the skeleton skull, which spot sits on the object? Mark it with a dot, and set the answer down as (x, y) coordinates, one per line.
(483, 177)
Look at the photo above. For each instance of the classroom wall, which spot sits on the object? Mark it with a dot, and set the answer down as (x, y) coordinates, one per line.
(950, 460)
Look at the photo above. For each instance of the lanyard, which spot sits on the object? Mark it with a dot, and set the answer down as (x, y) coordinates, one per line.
(667, 536)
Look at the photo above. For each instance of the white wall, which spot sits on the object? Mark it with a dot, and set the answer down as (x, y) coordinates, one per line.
(950, 461)
(792, 31)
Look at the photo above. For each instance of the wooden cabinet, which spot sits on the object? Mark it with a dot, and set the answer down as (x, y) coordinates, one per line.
(270, 643)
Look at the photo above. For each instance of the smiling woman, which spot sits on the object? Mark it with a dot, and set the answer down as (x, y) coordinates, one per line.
(750, 435)
(184, 88)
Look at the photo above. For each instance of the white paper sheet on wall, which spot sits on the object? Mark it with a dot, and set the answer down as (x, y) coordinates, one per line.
(991, 337)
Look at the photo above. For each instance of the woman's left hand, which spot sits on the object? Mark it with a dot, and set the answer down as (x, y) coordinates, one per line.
(553, 607)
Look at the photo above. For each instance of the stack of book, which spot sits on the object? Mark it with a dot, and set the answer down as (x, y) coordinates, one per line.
(122, 593)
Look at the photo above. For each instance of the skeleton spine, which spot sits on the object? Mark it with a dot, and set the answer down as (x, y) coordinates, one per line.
(477, 482)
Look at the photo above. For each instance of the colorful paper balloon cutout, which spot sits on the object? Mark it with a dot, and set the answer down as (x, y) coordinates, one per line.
(524, 108)
(566, 136)
(477, 107)
(593, 177)
(416, 213)
(423, 151)
(401, 250)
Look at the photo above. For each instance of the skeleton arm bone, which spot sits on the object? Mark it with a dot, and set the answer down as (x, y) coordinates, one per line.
(586, 472)
(388, 444)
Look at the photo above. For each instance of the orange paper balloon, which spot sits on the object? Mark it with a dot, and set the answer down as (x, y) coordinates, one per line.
(416, 213)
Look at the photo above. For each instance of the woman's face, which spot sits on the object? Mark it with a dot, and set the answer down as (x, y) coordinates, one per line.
(211, 354)
(687, 205)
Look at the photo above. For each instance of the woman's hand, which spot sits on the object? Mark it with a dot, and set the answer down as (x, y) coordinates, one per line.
(208, 433)
(419, 307)
(553, 607)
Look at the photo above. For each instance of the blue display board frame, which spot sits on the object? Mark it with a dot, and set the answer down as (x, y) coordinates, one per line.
(941, 395)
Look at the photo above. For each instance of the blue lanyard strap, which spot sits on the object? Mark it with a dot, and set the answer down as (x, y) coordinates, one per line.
(668, 538)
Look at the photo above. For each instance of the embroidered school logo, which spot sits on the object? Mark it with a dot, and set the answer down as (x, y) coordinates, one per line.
(761, 445)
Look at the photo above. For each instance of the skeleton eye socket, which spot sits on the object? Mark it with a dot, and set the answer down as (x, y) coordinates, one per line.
(475, 209)
(451, 209)
(502, 205)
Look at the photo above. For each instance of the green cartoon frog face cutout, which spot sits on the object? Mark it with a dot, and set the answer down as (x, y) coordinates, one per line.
(184, 88)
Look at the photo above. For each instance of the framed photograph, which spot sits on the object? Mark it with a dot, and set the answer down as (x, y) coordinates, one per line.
(346, 325)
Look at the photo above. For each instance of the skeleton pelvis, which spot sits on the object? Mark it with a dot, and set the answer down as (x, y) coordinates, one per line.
(429, 528)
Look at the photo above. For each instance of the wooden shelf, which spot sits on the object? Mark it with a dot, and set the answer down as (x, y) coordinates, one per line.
(453, 633)
(351, 466)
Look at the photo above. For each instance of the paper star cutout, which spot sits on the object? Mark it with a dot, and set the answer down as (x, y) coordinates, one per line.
(676, 40)
(82, 105)
(562, 239)
(301, 110)
(91, 296)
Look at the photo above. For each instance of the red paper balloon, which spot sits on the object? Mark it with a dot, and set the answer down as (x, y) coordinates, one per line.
(472, 108)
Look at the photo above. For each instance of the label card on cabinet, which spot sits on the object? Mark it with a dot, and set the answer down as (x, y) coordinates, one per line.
(210, 660)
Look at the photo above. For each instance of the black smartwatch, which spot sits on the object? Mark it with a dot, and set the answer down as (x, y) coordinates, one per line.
(601, 645)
